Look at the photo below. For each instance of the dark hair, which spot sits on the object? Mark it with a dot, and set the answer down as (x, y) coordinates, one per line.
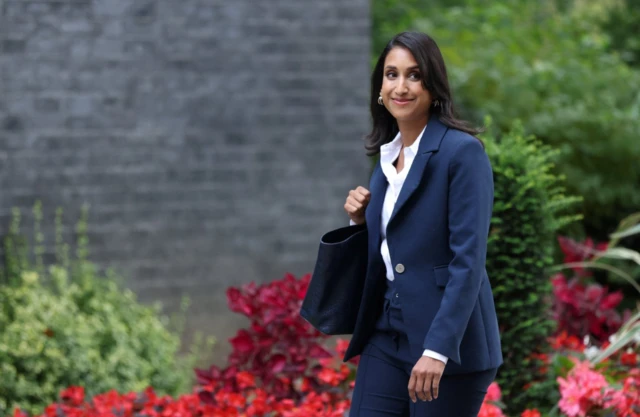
(434, 78)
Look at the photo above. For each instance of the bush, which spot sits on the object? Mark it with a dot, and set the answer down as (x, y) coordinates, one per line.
(551, 70)
(234, 392)
(287, 355)
(297, 374)
(69, 325)
(389, 17)
(528, 210)
(622, 23)
(581, 307)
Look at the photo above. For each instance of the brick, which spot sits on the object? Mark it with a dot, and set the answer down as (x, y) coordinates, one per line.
(214, 141)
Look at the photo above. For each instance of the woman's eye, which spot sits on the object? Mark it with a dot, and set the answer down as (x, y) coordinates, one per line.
(391, 74)
(415, 76)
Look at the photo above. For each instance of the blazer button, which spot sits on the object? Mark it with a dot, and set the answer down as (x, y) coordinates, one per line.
(399, 268)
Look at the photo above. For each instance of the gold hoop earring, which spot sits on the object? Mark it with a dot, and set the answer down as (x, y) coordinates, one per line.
(380, 102)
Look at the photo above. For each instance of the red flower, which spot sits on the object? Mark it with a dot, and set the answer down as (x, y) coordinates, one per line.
(245, 380)
(330, 376)
(530, 413)
(73, 396)
(563, 341)
(544, 367)
(629, 359)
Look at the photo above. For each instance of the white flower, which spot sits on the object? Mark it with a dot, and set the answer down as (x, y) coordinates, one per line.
(591, 352)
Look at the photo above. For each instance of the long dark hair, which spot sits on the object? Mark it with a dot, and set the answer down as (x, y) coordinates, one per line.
(434, 78)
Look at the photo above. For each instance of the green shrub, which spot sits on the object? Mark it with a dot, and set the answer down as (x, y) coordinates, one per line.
(622, 24)
(390, 17)
(70, 325)
(529, 207)
(552, 70)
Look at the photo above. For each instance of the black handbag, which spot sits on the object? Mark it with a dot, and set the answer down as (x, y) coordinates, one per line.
(333, 297)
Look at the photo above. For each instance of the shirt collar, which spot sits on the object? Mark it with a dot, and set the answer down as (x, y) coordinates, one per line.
(389, 151)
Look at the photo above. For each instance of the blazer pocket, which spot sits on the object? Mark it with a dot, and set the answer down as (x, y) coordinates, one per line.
(442, 275)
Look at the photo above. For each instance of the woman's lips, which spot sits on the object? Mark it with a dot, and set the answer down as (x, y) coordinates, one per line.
(401, 101)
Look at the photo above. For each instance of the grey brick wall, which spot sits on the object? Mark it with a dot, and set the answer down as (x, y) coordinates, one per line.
(213, 140)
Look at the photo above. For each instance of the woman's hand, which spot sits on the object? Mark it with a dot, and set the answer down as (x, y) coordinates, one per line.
(425, 378)
(356, 204)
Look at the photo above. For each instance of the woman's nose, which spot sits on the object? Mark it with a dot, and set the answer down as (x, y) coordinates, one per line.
(402, 87)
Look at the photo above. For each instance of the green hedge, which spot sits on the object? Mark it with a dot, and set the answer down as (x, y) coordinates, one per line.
(530, 206)
(69, 325)
(389, 17)
(622, 24)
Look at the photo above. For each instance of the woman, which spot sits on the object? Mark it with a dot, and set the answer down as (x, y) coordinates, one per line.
(427, 330)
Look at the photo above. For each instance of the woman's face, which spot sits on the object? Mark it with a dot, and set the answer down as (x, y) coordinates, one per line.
(402, 91)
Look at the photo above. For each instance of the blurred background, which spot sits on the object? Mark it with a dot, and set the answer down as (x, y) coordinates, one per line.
(159, 153)
(213, 141)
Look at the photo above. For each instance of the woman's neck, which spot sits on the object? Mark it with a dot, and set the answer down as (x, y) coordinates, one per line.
(409, 131)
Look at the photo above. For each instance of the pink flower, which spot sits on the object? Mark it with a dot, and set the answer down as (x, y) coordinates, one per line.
(582, 391)
(625, 402)
(493, 393)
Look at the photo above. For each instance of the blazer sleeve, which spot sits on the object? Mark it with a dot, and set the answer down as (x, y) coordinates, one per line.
(470, 207)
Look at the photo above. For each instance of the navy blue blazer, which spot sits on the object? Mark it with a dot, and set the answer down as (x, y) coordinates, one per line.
(437, 237)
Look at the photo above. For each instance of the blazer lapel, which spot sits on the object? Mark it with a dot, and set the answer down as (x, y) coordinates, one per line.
(429, 143)
(373, 212)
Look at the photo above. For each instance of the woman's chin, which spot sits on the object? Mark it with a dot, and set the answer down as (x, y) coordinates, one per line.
(408, 116)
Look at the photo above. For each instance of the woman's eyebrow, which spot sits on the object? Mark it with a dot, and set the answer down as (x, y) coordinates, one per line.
(410, 68)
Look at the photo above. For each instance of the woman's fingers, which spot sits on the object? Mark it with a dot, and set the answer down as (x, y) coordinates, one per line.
(351, 208)
(413, 382)
(356, 203)
(364, 192)
(435, 385)
(425, 379)
(359, 195)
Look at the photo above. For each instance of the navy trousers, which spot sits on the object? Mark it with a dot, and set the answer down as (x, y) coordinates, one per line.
(382, 379)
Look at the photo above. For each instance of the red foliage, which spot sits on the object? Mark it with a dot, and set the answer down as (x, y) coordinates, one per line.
(575, 252)
(280, 366)
(584, 309)
(286, 354)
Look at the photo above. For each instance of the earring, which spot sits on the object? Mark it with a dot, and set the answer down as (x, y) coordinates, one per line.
(380, 102)
(436, 103)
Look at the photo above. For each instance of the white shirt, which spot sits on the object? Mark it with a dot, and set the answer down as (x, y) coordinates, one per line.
(389, 152)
